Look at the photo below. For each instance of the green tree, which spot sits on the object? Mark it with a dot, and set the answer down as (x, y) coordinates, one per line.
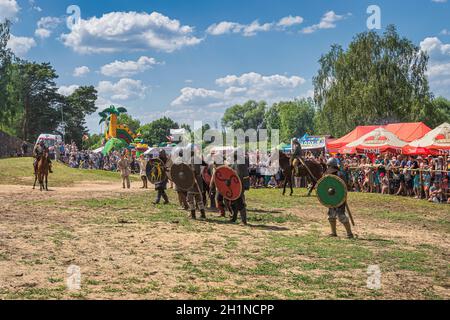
(7, 110)
(157, 131)
(378, 79)
(441, 112)
(133, 124)
(250, 115)
(77, 106)
(272, 117)
(94, 142)
(33, 90)
(296, 119)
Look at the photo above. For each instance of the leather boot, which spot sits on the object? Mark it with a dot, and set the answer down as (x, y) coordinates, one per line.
(235, 214)
(203, 214)
(244, 216)
(348, 228)
(333, 228)
(193, 214)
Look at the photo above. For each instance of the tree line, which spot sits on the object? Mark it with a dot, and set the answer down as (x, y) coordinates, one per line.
(378, 79)
(29, 100)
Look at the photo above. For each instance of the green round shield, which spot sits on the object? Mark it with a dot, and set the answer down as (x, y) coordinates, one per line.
(331, 191)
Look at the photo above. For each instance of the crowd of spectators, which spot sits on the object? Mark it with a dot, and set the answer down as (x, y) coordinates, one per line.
(419, 177)
(87, 159)
(425, 177)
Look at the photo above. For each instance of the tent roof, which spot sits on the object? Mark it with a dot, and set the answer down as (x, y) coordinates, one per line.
(438, 138)
(409, 131)
(376, 141)
(352, 136)
(404, 131)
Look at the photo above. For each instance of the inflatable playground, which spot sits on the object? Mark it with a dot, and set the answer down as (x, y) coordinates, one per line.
(120, 136)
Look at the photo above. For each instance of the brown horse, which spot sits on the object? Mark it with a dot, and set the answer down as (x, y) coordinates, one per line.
(41, 173)
(315, 172)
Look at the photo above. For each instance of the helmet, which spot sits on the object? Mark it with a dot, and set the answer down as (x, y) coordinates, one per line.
(295, 141)
(332, 162)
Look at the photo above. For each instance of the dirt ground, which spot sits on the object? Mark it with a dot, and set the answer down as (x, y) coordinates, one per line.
(127, 248)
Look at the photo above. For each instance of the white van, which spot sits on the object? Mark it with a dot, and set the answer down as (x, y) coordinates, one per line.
(51, 141)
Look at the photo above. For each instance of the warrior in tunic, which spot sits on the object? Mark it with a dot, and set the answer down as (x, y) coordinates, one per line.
(337, 213)
(194, 195)
(241, 166)
(124, 167)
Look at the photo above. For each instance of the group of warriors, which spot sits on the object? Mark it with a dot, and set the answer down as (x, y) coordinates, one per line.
(207, 183)
(197, 180)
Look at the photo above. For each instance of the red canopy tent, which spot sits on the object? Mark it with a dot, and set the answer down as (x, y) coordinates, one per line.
(436, 142)
(378, 141)
(404, 131)
(408, 131)
(334, 146)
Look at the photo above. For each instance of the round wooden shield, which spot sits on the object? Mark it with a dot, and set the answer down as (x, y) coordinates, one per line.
(156, 171)
(182, 176)
(228, 183)
(206, 175)
(331, 191)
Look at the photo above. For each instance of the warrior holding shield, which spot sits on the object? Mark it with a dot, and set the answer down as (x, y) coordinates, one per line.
(332, 193)
(241, 166)
(194, 194)
(232, 182)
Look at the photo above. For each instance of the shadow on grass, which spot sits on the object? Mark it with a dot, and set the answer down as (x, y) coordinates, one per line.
(264, 211)
(253, 226)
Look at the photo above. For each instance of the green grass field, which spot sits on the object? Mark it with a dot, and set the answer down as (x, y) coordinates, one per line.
(20, 171)
(130, 249)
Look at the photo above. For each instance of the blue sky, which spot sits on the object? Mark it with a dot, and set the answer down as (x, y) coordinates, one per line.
(190, 60)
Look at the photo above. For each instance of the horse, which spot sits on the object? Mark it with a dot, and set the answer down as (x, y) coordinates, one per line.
(41, 173)
(315, 172)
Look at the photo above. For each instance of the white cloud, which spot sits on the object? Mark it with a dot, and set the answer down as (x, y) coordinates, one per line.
(128, 68)
(248, 30)
(438, 65)
(8, 9)
(435, 70)
(81, 71)
(255, 27)
(124, 90)
(46, 25)
(290, 21)
(68, 90)
(42, 33)
(129, 31)
(21, 45)
(434, 47)
(439, 1)
(33, 6)
(328, 21)
(254, 79)
(193, 96)
(224, 27)
(237, 89)
(445, 32)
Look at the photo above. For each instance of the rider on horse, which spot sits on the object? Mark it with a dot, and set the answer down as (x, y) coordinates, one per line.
(39, 149)
(296, 154)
